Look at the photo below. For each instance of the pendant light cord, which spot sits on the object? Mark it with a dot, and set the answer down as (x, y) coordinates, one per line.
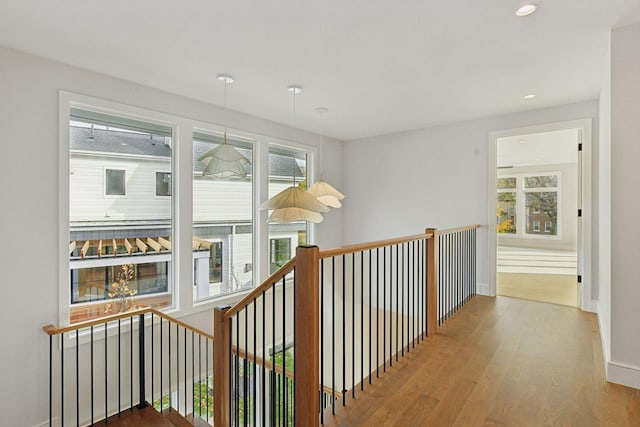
(293, 171)
(225, 107)
(294, 109)
(321, 144)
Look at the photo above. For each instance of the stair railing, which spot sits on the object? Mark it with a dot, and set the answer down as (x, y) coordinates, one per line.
(295, 324)
(456, 266)
(102, 367)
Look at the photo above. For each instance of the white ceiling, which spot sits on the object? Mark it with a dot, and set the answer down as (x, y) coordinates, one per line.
(379, 66)
(544, 148)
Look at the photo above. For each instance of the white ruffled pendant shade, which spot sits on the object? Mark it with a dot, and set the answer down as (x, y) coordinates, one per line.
(224, 161)
(326, 194)
(294, 204)
(289, 215)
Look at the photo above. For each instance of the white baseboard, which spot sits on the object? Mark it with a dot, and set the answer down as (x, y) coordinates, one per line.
(54, 422)
(592, 307)
(620, 373)
(605, 353)
(483, 289)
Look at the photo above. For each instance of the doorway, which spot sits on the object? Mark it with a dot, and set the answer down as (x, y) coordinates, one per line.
(537, 198)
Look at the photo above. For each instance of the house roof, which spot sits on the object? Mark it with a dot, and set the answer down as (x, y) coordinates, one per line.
(136, 143)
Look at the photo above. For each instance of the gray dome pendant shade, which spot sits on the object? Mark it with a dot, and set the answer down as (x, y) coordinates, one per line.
(294, 204)
(224, 161)
(323, 191)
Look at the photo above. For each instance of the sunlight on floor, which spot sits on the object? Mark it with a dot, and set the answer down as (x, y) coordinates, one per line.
(537, 274)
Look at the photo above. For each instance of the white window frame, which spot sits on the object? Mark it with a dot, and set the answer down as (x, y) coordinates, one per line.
(521, 216)
(547, 229)
(536, 226)
(558, 192)
(67, 101)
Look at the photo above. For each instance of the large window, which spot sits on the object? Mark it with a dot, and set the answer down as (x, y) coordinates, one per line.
(223, 217)
(123, 188)
(118, 156)
(531, 200)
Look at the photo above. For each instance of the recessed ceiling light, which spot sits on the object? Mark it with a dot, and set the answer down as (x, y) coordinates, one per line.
(295, 89)
(530, 96)
(527, 9)
(522, 141)
(225, 78)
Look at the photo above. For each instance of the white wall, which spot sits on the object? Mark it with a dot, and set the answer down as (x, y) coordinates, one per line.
(624, 366)
(603, 267)
(29, 216)
(400, 184)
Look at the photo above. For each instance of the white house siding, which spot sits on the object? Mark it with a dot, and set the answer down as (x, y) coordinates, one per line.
(213, 200)
(87, 198)
(217, 200)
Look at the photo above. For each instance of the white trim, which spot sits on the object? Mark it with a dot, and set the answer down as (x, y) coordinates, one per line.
(585, 127)
(624, 374)
(483, 289)
(605, 354)
(126, 156)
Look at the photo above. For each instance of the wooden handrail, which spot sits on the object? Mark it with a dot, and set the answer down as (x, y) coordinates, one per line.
(275, 277)
(52, 330)
(181, 323)
(328, 253)
(457, 230)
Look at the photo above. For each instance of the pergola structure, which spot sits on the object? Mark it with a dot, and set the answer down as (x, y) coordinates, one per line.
(114, 247)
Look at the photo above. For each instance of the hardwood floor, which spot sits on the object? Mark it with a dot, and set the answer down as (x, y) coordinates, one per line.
(553, 288)
(499, 362)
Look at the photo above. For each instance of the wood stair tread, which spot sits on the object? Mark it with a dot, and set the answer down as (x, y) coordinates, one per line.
(149, 417)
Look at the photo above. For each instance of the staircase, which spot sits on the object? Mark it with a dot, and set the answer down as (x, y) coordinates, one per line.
(149, 417)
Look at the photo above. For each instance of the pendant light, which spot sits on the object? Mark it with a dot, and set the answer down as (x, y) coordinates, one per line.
(224, 161)
(321, 190)
(294, 204)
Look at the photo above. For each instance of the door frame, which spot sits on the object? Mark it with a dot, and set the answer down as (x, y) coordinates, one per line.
(585, 132)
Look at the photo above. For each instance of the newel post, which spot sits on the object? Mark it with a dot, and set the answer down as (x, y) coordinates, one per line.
(431, 304)
(221, 368)
(307, 336)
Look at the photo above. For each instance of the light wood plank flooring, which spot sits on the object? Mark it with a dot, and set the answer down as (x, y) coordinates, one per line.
(499, 362)
(553, 288)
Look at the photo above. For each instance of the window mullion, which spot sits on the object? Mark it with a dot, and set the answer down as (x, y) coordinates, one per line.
(183, 213)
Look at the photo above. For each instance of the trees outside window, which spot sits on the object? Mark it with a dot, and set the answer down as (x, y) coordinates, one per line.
(530, 200)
